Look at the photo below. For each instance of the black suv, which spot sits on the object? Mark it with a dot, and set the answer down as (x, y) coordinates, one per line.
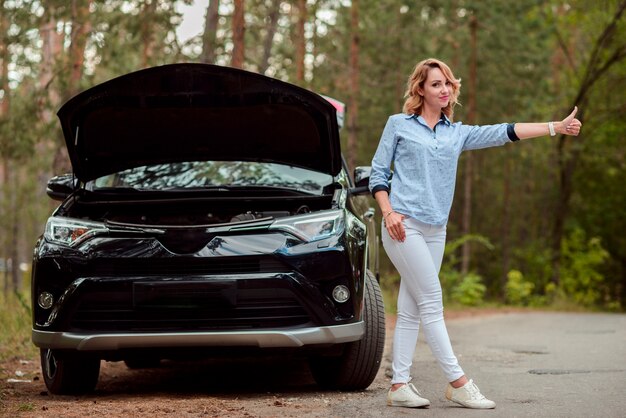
(208, 207)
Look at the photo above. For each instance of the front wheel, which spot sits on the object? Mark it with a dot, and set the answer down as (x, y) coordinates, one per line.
(356, 367)
(69, 373)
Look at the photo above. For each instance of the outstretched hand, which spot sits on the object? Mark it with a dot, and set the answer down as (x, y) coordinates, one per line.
(570, 125)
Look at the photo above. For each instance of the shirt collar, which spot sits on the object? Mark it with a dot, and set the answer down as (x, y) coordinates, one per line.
(421, 120)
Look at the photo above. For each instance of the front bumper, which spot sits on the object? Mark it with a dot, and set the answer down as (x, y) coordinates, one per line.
(335, 334)
(124, 293)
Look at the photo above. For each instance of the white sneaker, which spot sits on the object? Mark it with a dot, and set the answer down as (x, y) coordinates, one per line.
(406, 396)
(469, 396)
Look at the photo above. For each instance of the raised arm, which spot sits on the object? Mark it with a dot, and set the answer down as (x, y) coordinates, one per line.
(568, 126)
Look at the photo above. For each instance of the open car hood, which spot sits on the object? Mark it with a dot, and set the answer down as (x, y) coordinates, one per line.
(193, 112)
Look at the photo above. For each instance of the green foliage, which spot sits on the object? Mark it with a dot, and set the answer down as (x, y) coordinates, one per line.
(470, 291)
(15, 326)
(27, 406)
(580, 279)
(614, 306)
(582, 282)
(529, 69)
(534, 260)
(389, 285)
(451, 278)
(598, 202)
(453, 245)
(518, 290)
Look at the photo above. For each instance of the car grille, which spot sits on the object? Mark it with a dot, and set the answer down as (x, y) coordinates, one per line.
(200, 304)
(185, 266)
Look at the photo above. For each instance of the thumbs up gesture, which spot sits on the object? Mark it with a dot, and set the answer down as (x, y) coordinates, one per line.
(570, 125)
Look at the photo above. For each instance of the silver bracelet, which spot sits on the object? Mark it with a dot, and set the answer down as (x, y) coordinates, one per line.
(551, 128)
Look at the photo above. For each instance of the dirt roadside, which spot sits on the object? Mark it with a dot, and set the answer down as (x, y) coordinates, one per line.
(249, 387)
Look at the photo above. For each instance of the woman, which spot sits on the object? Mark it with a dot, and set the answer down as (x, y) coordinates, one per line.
(424, 145)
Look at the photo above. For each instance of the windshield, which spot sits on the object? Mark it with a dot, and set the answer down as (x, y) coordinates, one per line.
(211, 174)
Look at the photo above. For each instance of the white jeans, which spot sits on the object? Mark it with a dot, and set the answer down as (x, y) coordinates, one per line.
(418, 260)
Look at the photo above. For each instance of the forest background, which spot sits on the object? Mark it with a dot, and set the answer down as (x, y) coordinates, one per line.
(538, 223)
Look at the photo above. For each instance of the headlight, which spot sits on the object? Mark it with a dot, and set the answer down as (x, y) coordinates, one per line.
(313, 226)
(72, 232)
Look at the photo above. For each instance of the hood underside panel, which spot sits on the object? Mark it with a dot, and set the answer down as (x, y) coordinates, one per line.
(192, 112)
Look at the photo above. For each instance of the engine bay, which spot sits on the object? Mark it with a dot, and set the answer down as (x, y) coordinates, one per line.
(193, 212)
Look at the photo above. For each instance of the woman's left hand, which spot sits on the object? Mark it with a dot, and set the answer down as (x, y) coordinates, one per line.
(570, 125)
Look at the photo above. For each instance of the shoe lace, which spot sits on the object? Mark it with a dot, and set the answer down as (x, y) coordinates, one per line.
(474, 391)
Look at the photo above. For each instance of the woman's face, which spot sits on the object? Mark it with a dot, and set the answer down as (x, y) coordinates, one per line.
(437, 90)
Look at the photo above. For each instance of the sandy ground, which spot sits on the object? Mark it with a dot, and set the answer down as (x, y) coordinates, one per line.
(248, 387)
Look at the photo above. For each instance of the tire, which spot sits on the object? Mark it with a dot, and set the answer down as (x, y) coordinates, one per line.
(356, 367)
(136, 363)
(69, 373)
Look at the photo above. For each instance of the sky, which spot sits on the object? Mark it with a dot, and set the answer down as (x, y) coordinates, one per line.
(193, 19)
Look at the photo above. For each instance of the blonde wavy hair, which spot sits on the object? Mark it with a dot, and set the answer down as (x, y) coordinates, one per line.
(414, 103)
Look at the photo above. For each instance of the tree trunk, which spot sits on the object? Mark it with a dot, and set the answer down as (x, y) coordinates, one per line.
(209, 37)
(353, 104)
(147, 32)
(5, 195)
(81, 26)
(602, 58)
(51, 51)
(272, 25)
(15, 232)
(452, 38)
(468, 174)
(505, 225)
(4, 253)
(238, 35)
(300, 41)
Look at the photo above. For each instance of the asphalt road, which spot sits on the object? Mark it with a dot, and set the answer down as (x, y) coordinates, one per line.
(531, 364)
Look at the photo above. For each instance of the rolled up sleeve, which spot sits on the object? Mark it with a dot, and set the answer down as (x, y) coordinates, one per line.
(477, 137)
(381, 163)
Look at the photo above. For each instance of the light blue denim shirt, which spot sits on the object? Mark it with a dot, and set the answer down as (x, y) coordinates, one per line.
(425, 162)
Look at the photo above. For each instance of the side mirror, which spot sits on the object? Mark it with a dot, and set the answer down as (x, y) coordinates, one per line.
(362, 176)
(361, 180)
(60, 187)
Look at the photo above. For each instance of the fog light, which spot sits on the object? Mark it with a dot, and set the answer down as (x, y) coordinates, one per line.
(45, 300)
(341, 293)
